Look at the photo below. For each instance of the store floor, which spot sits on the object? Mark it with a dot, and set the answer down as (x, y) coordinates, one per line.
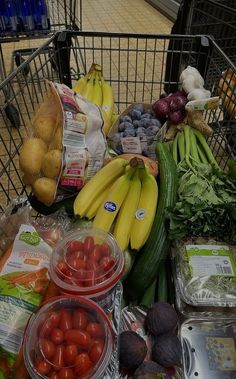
(133, 16)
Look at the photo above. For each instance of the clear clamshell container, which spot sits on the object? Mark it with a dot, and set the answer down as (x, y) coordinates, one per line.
(205, 272)
(209, 348)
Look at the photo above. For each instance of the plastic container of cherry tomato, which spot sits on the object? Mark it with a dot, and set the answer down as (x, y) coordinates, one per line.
(88, 262)
(68, 338)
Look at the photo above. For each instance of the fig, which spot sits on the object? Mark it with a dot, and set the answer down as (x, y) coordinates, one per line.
(149, 370)
(167, 350)
(133, 350)
(161, 318)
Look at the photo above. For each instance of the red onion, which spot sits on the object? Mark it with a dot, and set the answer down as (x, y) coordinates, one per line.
(161, 108)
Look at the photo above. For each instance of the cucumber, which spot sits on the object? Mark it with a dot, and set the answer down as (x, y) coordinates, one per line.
(147, 264)
(162, 286)
(149, 296)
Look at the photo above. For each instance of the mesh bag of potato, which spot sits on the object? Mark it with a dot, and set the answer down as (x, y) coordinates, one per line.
(65, 147)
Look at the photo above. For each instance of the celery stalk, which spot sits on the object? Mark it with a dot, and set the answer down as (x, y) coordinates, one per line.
(206, 148)
(181, 145)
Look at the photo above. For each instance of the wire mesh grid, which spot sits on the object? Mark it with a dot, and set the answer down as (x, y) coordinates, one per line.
(63, 14)
(138, 68)
(216, 18)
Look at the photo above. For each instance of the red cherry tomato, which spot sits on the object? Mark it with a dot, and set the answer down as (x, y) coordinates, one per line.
(58, 359)
(62, 268)
(70, 354)
(54, 375)
(78, 337)
(47, 347)
(43, 367)
(96, 352)
(89, 281)
(74, 246)
(92, 265)
(88, 244)
(107, 263)
(57, 336)
(95, 330)
(55, 318)
(66, 320)
(76, 263)
(80, 274)
(105, 249)
(96, 253)
(79, 255)
(66, 373)
(83, 364)
(99, 341)
(46, 329)
(79, 319)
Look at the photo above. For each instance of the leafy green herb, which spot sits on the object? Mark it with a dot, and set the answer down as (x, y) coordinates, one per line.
(206, 204)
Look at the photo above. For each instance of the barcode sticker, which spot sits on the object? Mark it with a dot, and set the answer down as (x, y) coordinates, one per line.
(208, 266)
(208, 260)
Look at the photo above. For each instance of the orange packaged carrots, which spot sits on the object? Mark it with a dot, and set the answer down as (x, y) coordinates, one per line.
(23, 285)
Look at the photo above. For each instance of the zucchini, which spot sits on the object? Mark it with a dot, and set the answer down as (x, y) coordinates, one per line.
(162, 286)
(149, 296)
(147, 264)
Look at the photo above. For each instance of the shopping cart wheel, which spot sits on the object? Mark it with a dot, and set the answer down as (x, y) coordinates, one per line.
(13, 115)
(19, 60)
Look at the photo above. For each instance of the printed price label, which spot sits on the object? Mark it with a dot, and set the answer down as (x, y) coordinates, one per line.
(211, 260)
(131, 145)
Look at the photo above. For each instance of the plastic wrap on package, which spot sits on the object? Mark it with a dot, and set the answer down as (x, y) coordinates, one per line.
(112, 372)
(133, 318)
(205, 272)
(209, 348)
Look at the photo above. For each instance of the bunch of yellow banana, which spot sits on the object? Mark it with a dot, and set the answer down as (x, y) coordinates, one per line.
(94, 88)
(121, 198)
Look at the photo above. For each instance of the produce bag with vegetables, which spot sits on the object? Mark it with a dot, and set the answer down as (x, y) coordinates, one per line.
(66, 146)
(136, 131)
(23, 282)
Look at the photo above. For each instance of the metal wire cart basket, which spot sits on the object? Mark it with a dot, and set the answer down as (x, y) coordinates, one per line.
(58, 15)
(216, 18)
(135, 65)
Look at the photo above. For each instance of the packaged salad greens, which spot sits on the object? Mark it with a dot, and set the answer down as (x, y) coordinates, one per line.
(205, 272)
(209, 348)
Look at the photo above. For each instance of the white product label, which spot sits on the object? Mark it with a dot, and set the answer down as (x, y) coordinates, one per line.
(209, 266)
(140, 214)
(131, 145)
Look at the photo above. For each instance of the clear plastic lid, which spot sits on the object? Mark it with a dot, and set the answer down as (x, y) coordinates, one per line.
(209, 348)
(205, 272)
(68, 337)
(86, 262)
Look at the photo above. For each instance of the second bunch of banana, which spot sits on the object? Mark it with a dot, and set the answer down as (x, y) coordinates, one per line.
(94, 88)
(121, 198)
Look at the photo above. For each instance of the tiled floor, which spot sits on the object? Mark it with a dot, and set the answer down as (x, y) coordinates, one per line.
(130, 66)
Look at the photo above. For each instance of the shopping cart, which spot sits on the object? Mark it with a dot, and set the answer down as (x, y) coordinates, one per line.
(62, 14)
(135, 67)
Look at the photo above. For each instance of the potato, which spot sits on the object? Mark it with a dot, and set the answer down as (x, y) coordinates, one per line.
(51, 166)
(31, 155)
(29, 179)
(57, 140)
(45, 190)
(44, 128)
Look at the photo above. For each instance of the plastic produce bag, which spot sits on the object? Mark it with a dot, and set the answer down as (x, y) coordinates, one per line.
(66, 146)
(26, 246)
(137, 131)
(206, 272)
